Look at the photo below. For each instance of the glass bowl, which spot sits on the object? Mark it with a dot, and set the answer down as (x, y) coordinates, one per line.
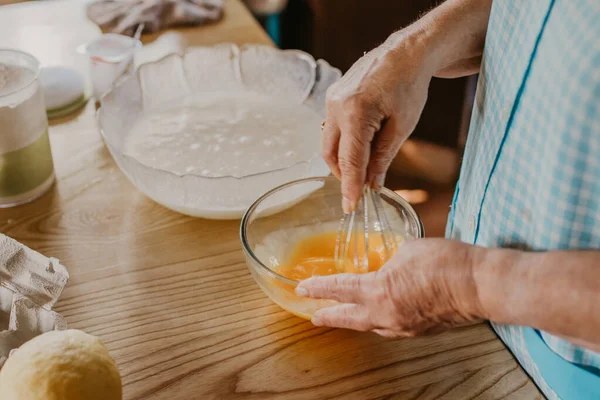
(276, 221)
(283, 74)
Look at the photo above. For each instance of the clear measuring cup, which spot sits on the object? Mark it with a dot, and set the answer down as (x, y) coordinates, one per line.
(26, 167)
(110, 56)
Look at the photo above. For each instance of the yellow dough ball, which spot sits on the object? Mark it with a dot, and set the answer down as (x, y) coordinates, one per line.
(61, 365)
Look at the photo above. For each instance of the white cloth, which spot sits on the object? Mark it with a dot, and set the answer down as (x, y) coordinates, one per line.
(124, 16)
(30, 285)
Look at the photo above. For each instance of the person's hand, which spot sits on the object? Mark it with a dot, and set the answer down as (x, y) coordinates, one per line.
(427, 286)
(371, 111)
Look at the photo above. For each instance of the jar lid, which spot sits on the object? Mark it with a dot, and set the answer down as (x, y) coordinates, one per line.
(64, 90)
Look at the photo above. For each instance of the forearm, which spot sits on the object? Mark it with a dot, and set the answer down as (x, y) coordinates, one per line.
(555, 291)
(451, 37)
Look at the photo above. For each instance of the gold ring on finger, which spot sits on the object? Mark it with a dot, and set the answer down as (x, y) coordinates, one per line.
(323, 125)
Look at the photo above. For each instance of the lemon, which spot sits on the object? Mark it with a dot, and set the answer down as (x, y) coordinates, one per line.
(61, 365)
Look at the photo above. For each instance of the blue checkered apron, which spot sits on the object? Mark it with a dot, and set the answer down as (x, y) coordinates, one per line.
(530, 177)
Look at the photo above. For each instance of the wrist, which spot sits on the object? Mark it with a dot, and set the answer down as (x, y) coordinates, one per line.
(495, 275)
(467, 292)
(412, 46)
(460, 281)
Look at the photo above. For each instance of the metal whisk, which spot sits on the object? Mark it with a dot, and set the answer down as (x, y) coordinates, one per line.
(353, 233)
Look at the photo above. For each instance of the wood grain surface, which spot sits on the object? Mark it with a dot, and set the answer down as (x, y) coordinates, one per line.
(171, 296)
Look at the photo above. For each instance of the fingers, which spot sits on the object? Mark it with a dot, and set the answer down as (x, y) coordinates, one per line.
(354, 115)
(395, 333)
(384, 148)
(348, 316)
(353, 158)
(386, 333)
(345, 288)
(330, 139)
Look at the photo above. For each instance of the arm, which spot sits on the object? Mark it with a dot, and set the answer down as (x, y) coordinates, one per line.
(435, 284)
(555, 291)
(453, 34)
(378, 102)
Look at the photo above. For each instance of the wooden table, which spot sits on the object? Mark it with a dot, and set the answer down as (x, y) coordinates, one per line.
(171, 296)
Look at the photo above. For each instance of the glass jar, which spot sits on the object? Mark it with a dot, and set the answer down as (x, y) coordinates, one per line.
(26, 168)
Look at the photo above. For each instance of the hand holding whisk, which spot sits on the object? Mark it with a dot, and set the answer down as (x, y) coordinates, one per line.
(357, 231)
